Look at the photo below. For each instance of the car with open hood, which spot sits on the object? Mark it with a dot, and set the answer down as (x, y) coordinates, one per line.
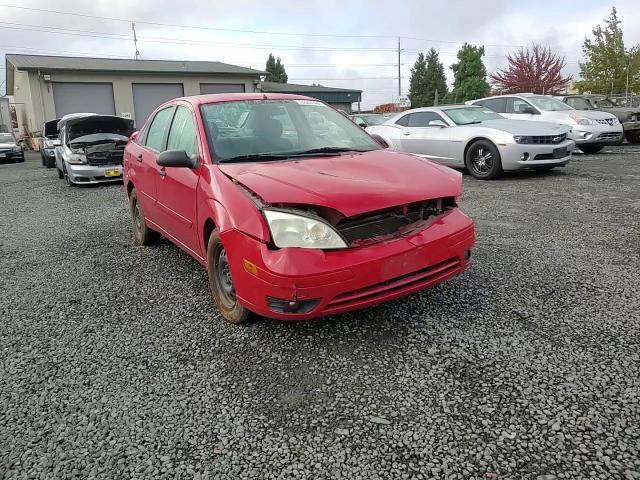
(50, 140)
(10, 149)
(629, 117)
(478, 139)
(591, 130)
(294, 211)
(91, 147)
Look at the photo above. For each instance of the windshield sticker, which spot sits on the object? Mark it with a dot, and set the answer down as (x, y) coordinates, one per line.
(310, 102)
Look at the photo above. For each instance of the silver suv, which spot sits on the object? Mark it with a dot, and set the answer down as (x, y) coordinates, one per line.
(591, 130)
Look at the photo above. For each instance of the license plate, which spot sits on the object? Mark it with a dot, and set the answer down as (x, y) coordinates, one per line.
(559, 152)
(112, 172)
(2, 155)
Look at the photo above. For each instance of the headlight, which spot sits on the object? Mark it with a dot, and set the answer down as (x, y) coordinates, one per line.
(75, 158)
(520, 138)
(290, 230)
(583, 121)
(17, 149)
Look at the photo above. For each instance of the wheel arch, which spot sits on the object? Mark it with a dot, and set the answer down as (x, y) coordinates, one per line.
(474, 140)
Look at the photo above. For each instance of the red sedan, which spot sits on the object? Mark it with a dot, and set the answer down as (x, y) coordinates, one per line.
(294, 211)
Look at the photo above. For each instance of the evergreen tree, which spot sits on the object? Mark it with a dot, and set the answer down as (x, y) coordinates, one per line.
(470, 75)
(275, 70)
(427, 78)
(607, 59)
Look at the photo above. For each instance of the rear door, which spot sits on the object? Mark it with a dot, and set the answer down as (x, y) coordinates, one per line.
(149, 144)
(176, 187)
(417, 136)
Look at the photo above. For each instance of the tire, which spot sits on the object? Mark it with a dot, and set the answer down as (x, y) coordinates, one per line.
(50, 162)
(221, 284)
(43, 160)
(67, 179)
(142, 234)
(483, 160)
(60, 174)
(633, 137)
(590, 149)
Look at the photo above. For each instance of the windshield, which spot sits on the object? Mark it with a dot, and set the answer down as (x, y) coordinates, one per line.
(549, 104)
(469, 115)
(375, 119)
(248, 129)
(6, 138)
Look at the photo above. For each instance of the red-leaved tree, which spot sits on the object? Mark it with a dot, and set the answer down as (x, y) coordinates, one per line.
(533, 69)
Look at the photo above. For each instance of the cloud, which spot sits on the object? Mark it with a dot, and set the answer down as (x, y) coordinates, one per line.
(369, 62)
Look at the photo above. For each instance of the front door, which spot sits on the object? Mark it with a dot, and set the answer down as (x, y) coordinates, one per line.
(421, 138)
(176, 186)
(142, 161)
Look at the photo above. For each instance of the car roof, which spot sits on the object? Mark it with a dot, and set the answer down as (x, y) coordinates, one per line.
(197, 100)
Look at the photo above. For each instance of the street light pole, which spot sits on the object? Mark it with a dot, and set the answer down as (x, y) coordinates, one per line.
(399, 78)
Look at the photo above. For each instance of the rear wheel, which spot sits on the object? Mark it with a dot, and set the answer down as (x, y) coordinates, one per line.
(633, 137)
(221, 284)
(589, 149)
(483, 160)
(142, 234)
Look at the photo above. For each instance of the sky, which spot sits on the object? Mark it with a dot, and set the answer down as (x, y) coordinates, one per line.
(348, 43)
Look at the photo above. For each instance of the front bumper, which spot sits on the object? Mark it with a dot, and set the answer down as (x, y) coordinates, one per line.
(10, 155)
(519, 156)
(88, 174)
(633, 126)
(350, 279)
(597, 134)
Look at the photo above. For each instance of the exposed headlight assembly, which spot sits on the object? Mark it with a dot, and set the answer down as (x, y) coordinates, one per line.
(75, 158)
(520, 138)
(291, 230)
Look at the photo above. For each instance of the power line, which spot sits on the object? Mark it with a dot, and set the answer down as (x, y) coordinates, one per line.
(262, 32)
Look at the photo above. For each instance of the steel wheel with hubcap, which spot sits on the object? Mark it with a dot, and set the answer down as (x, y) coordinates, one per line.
(483, 160)
(221, 284)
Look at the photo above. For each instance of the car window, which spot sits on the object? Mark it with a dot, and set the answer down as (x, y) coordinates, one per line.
(422, 119)
(182, 135)
(516, 105)
(403, 121)
(157, 129)
(498, 105)
(579, 103)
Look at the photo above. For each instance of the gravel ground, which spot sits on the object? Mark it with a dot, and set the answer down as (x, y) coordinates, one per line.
(114, 363)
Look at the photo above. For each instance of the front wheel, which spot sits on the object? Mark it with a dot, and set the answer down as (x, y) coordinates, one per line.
(483, 160)
(221, 285)
(589, 149)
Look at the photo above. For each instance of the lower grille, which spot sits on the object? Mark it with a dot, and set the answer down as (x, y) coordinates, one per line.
(607, 121)
(423, 278)
(609, 136)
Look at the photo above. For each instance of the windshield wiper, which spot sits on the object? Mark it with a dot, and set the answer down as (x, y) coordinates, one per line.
(255, 157)
(326, 150)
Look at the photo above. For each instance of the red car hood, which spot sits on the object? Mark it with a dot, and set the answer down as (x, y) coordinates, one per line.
(351, 184)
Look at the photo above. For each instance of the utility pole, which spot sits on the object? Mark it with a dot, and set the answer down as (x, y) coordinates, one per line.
(135, 40)
(399, 78)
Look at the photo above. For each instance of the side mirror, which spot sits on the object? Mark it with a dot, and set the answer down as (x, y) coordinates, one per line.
(177, 158)
(529, 110)
(361, 124)
(438, 123)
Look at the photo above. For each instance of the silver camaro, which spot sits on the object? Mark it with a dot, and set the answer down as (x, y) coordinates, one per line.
(477, 138)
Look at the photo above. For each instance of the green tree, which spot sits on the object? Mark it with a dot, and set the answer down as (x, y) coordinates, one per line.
(275, 70)
(607, 59)
(417, 84)
(427, 80)
(470, 75)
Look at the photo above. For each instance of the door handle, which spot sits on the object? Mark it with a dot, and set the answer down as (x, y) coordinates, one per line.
(162, 172)
(139, 157)
(406, 133)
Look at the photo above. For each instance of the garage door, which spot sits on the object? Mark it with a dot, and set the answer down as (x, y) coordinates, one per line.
(147, 96)
(75, 97)
(206, 88)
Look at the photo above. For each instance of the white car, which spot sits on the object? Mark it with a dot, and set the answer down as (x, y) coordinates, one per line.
(477, 138)
(591, 130)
